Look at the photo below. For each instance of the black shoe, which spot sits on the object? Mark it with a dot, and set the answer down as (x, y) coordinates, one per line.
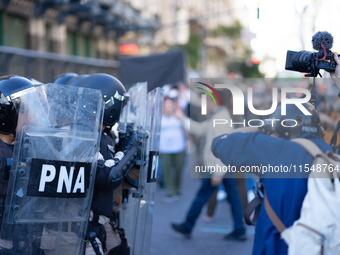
(235, 236)
(181, 229)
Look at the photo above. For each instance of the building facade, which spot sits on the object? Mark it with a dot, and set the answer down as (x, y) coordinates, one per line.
(57, 36)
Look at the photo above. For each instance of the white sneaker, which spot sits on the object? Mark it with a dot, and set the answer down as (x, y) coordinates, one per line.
(221, 195)
(170, 199)
(207, 218)
(250, 195)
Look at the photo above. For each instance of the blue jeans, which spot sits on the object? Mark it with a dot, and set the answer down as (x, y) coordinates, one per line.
(203, 196)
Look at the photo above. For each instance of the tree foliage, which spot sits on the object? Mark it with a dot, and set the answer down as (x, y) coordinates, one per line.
(193, 48)
(233, 31)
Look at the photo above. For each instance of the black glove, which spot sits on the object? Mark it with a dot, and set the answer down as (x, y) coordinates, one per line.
(124, 138)
(132, 140)
(131, 150)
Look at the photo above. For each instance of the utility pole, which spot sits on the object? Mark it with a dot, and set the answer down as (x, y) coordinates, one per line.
(175, 28)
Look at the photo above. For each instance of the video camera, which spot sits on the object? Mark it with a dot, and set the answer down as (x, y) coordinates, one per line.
(311, 62)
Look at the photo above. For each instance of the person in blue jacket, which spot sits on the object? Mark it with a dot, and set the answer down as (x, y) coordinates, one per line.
(267, 146)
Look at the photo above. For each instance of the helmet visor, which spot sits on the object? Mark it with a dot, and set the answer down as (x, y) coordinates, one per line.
(15, 98)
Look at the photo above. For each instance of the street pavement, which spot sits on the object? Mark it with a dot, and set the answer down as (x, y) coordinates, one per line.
(206, 238)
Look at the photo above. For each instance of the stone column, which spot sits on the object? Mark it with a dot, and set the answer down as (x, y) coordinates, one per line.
(36, 34)
(101, 48)
(111, 49)
(58, 38)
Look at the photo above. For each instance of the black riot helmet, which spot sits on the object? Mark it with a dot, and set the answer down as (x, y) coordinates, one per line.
(114, 95)
(76, 80)
(63, 79)
(294, 123)
(10, 87)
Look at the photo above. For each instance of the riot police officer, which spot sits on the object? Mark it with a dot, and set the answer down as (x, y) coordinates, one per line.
(113, 166)
(9, 85)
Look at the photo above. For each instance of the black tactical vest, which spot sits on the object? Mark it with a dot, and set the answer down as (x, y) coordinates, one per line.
(6, 154)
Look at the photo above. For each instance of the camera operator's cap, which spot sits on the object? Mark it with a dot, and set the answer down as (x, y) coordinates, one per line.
(297, 122)
(267, 127)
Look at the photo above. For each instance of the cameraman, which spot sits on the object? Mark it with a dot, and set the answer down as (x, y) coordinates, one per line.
(336, 74)
(272, 146)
